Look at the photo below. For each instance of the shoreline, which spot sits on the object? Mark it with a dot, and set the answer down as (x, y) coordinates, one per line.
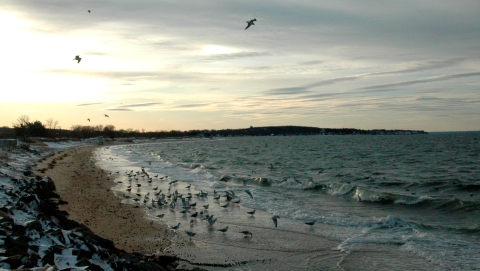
(85, 194)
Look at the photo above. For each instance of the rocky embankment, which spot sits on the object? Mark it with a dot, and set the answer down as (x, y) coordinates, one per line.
(36, 235)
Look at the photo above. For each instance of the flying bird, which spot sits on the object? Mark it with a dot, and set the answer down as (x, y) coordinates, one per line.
(274, 218)
(190, 233)
(249, 193)
(78, 59)
(89, 11)
(250, 23)
(106, 115)
(88, 120)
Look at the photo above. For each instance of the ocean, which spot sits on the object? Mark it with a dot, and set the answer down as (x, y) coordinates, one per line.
(403, 202)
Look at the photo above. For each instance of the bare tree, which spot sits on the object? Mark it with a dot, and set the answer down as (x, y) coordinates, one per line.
(22, 120)
(51, 124)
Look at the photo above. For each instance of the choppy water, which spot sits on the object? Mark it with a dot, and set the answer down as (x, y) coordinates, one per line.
(411, 197)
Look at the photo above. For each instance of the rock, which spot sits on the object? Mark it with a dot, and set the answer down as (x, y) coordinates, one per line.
(34, 225)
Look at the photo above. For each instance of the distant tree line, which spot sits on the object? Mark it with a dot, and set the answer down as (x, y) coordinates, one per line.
(23, 128)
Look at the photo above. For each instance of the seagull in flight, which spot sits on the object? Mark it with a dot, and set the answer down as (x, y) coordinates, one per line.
(106, 115)
(77, 58)
(250, 23)
(89, 11)
(249, 193)
(88, 120)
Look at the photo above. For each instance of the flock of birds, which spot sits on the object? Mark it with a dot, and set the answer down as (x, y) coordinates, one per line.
(172, 199)
(104, 115)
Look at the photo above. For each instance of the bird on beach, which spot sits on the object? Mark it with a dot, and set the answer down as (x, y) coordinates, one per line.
(190, 233)
(274, 218)
(224, 230)
(251, 212)
(247, 233)
(250, 23)
(175, 227)
(78, 58)
(311, 223)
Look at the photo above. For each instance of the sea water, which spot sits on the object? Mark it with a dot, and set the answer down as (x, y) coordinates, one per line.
(379, 202)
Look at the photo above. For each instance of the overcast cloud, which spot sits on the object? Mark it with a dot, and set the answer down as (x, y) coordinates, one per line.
(348, 63)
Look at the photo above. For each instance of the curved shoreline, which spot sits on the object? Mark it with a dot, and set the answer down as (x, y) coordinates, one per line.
(85, 195)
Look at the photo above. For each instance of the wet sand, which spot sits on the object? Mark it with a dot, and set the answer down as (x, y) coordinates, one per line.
(85, 195)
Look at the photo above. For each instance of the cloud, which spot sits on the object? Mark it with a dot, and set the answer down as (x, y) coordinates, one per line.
(305, 88)
(219, 57)
(186, 106)
(309, 63)
(421, 81)
(138, 105)
(88, 104)
(119, 109)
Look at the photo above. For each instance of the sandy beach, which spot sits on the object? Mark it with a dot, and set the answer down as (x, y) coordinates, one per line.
(84, 191)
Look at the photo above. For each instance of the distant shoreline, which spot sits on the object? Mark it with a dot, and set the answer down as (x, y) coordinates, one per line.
(82, 132)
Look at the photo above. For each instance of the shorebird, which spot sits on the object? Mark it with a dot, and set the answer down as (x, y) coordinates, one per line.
(250, 23)
(206, 206)
(247, 233)
(311, 223)
(249, 193)
(224, 230)
(251, 212)
(175, 227)
(274, 218)
(212, 221)
(77, 58)
(190, 233)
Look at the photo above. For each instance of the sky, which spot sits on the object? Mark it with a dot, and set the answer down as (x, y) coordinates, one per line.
(183, 65)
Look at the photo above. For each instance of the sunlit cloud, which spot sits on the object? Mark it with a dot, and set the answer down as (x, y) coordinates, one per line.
(88, 104)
